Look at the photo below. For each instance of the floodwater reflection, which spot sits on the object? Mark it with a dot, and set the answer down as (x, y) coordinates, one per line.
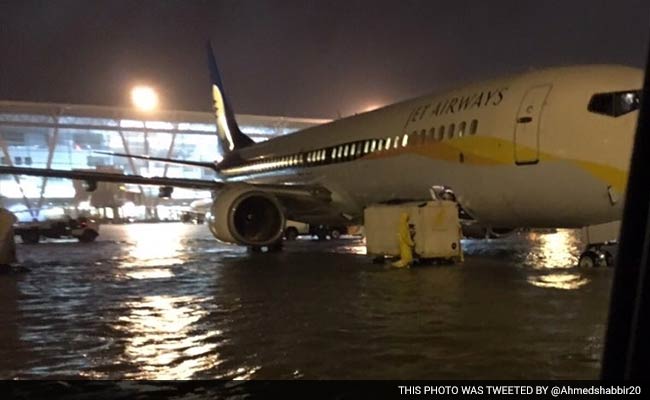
(162, 339)
(150, 253)
(153, 246)
(354, 247)
(108, 310)
(555, 259)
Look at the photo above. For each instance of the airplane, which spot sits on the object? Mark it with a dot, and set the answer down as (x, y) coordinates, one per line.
(545, 148)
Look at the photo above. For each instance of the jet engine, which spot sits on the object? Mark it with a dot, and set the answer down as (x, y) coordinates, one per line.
(246, 216)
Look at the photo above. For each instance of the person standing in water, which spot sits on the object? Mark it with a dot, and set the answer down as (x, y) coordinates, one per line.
(406, 243)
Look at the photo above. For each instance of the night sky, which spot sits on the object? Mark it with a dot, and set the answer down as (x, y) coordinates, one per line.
(299, 58)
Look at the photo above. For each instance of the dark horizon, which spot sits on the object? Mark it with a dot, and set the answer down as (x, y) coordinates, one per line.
(299, 58)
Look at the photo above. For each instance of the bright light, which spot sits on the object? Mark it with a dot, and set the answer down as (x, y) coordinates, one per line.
(144, 98)
(371, 107)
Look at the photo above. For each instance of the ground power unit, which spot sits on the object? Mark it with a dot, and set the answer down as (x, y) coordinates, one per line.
(436, 224)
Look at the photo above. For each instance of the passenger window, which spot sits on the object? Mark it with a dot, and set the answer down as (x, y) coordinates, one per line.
(373, 146)
(345, 151)
(441, 133)
(450, 132)
(396, 142)
(366, 147)
(352, 149)
(333, 156)
(405, 140)
(432, 134)
(387, 143)
(461, 129)
(473, 127)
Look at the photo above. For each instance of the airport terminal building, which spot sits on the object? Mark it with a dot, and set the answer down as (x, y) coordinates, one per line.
(63, 136)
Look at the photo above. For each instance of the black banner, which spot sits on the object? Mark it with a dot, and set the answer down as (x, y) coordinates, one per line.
(143, 390)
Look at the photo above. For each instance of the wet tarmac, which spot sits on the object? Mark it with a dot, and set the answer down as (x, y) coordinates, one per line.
(166, 301)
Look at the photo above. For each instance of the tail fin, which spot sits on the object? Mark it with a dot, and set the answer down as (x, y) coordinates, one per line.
(230, 137)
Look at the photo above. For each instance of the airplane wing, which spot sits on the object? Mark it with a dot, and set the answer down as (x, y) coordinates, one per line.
(285, 192)
(201, 164)
(99, 176)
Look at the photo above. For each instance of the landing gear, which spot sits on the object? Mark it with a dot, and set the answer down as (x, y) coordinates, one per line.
(595, 256)
(291, 233)
(323, 232)
(31, 236)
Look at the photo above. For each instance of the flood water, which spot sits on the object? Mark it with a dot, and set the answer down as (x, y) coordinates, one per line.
(166, 301)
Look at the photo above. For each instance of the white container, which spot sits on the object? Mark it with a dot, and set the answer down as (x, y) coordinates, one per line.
(437, 229)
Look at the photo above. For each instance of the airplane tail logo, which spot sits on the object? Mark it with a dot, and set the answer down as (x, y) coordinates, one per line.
(230, 136)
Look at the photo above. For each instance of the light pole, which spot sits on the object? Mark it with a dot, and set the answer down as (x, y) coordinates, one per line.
(145, 99)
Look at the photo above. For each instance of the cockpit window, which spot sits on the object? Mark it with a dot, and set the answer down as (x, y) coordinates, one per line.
(615, 104)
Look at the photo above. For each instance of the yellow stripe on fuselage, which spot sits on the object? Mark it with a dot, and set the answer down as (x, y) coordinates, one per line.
(491, 151)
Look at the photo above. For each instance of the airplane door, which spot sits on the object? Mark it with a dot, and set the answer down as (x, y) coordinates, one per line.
(527, 125)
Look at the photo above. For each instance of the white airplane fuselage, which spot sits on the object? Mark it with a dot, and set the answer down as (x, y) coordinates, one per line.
(530, 153)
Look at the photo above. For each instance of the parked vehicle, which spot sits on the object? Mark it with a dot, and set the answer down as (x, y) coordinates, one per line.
(83, 229)
(294, 229)
(322, 232)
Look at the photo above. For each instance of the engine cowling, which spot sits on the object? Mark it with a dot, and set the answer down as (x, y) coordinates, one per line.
(247, 216)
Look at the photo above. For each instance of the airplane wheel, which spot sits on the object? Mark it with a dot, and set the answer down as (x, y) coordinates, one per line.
(335, 234)
(589, 259)
(291, 233)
